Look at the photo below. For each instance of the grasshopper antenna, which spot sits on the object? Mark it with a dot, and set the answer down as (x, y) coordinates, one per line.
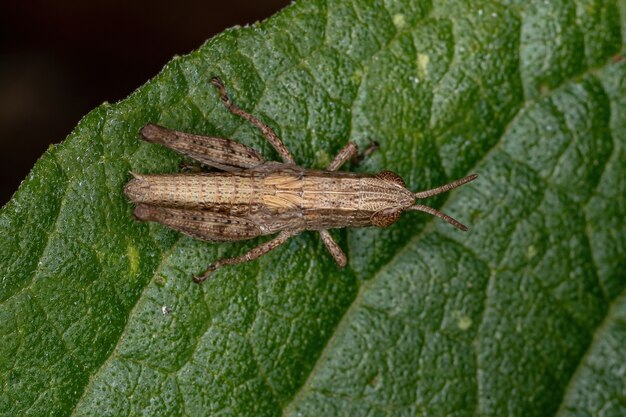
(446, 187)
(437, 213)
(439, 190)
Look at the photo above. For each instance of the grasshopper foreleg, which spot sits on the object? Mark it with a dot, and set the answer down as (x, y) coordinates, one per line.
(267, 131)
(254, 253)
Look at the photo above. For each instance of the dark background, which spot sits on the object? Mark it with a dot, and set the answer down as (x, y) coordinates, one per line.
(60, 59)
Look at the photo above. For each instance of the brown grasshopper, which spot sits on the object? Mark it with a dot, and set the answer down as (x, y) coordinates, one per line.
(254, 197)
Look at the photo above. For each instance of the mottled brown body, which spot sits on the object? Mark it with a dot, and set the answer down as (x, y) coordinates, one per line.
(254, 197)
(276, 197)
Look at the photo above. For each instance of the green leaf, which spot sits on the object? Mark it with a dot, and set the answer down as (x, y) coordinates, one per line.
(523, 315)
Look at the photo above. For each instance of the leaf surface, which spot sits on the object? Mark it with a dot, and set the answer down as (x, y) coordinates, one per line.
(523, 315)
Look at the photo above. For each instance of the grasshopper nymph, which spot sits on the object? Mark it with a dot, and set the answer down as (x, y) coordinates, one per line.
(253, 197)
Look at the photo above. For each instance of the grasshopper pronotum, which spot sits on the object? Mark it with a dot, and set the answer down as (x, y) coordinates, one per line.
(254, 197)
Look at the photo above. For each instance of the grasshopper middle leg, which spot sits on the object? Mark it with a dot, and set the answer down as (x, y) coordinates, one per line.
(345, 154)
(333, 248)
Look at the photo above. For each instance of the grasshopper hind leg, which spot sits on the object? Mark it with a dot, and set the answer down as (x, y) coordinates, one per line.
(267, 131)
(212, 226)
(220, 153)
(254, 253)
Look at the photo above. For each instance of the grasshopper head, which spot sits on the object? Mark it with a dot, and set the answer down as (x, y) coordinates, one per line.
(390, 215)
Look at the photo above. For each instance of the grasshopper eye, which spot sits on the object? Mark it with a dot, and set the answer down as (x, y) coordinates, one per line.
(386, 217)
(391, 177)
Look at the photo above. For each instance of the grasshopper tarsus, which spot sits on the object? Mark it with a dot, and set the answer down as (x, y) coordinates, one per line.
(359, 157)
(371, 148)
(199, 279)
(251, 197)
(217, 82)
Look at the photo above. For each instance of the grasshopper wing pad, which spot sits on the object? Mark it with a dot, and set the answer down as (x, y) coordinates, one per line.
(219, 153)
(200, 224)
(391, 177)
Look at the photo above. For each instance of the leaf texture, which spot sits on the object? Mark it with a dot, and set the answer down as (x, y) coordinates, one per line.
(525, 315)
